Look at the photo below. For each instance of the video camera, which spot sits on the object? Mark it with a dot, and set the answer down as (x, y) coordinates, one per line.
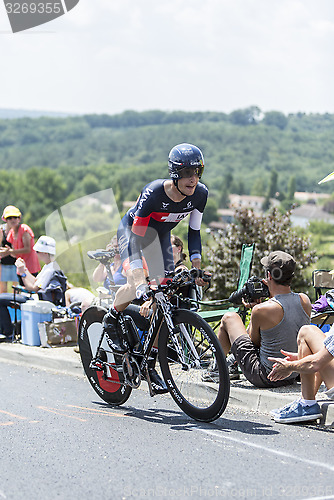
(253, 289)
(103, 256)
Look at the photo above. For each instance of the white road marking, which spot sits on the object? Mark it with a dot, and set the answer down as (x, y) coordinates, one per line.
(268, 450)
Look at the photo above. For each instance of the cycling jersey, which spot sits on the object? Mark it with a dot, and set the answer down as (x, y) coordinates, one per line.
(155, 214)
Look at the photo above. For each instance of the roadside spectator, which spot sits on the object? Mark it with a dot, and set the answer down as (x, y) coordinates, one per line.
(7, 263)
(46, 250)
(179, 256)
(75, 294)
(100, 273)
(21, 238)
(315, 364)
(273, 326)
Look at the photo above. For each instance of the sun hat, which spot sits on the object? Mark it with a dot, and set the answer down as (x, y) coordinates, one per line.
(45, 244)
(280, 264)
(10, 211)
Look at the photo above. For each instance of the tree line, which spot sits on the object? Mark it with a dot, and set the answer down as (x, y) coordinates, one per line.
(46, 162)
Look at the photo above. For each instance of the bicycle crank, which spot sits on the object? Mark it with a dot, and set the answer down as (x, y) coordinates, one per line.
(131, 371)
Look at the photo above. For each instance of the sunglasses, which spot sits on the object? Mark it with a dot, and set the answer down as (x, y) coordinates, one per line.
(188, 172)
(12, 217)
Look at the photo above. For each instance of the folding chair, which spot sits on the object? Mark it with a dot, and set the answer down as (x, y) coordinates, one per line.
(322, 280)
(15, 304)
(245, 267)
(54, 292)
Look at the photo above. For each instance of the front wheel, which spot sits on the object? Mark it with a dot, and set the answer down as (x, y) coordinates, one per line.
(185, 357)
(109, 382)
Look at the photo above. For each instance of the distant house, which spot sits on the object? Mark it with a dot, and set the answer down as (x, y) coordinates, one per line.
(308, 212)
(251, 202)
(305, 197)
(226, 215)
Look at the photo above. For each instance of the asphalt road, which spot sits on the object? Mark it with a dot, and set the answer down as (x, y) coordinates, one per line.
(59, 441)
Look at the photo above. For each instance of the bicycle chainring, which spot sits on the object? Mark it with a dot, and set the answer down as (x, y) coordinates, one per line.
(131, 371)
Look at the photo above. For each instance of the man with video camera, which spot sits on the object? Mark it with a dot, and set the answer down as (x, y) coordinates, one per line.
(273, 326)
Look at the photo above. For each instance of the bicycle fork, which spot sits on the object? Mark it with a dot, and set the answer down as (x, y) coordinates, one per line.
(174, 331)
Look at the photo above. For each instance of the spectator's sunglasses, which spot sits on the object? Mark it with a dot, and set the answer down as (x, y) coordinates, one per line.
(188, 172)
(12, 217)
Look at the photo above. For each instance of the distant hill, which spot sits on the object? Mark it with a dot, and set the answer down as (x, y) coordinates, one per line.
(28, 113)
(244, 150)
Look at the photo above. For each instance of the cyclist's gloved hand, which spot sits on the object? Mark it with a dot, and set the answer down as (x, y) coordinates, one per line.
(202, 278)
(143, 292)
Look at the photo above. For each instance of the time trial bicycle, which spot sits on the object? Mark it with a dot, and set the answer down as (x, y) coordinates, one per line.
(187, 347)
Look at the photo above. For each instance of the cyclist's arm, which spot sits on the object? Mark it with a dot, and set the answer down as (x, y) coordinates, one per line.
(194, 234)
(136, 259)
(196, 263)
(194, 231)
(138, 231)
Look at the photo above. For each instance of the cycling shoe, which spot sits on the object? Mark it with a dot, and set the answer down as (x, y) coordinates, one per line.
(158, 385)
(114, 339)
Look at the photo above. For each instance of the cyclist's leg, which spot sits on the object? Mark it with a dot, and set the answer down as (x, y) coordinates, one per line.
(157, 383)
(123, 297)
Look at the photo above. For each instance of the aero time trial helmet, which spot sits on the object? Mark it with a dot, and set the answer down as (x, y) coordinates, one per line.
(183, 160)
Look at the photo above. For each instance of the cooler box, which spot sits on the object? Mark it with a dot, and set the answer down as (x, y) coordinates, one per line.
(32, 313)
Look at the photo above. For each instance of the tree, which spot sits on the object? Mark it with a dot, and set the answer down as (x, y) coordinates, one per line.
(210, 213)
(225, 190)
(269, 232)
(258, 186)
(275, 118)
(44, 186)
(248, 116)
(272, 190)
(43, 192)
(90, 184)
(289, 202)
(291, 188)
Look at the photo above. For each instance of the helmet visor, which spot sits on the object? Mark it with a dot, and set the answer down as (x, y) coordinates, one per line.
(188, 172)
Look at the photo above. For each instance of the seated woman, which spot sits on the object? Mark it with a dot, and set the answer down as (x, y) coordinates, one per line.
(179, 256)
(100, 273)
(46, 250)
(114, 275)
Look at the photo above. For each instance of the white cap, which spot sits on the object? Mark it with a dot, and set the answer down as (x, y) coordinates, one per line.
(45, 244)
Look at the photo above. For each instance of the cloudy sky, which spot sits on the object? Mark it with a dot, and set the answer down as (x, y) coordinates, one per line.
(106, 56)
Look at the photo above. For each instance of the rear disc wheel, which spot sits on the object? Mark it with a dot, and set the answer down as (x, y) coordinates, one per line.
(108, 382)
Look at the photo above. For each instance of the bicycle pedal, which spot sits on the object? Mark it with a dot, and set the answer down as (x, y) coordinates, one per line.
(97, 365)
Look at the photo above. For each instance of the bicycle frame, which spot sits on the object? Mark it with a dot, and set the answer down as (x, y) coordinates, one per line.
(163, 312)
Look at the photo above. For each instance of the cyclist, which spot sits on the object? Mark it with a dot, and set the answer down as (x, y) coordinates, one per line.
(161, 205)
